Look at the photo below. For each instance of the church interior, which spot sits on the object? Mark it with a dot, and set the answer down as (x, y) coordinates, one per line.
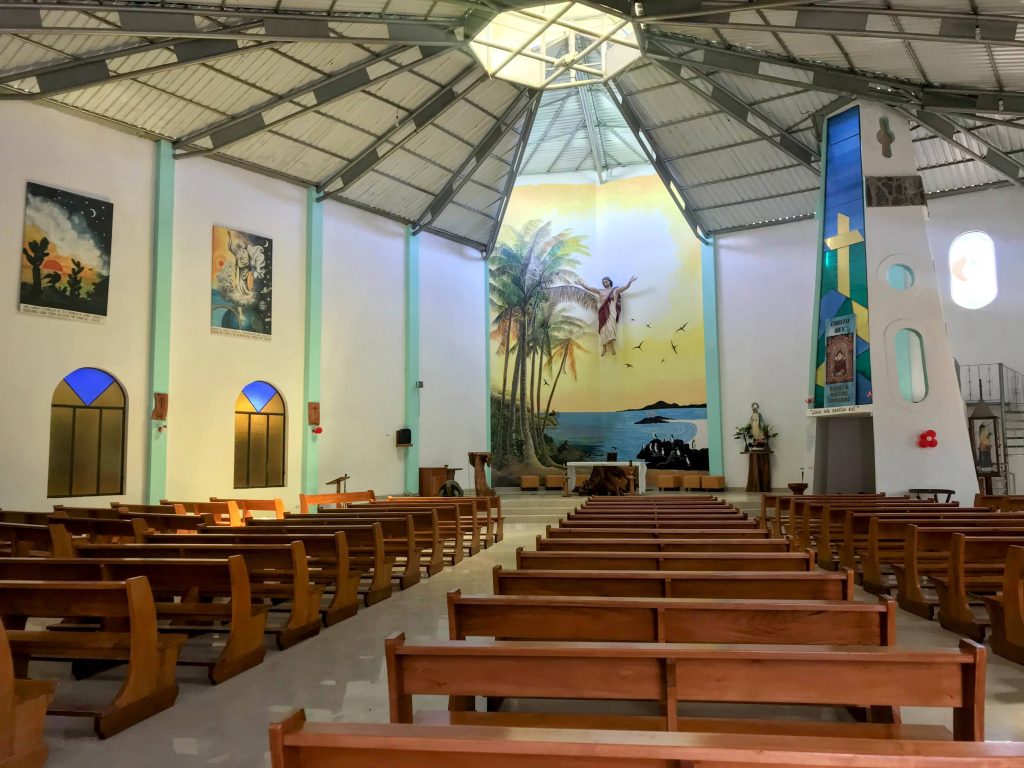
(420, 383)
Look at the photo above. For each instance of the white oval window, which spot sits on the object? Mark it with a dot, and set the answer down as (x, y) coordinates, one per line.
(900, 277)
(972, 270)
(911, 372)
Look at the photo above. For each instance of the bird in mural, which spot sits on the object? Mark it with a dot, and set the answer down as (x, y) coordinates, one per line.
(546, 383)
(663, 361)
(648, 325)
(640, 346)
(675, 349)
(682, 327)
(628, 365)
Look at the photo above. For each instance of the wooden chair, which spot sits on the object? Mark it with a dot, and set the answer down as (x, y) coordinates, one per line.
(665, 561)
(668, 620)
(23, 705)
(881, 679)
(149, 685)
(750, 585)
(296, 744)
(180, 584)
(1006, 609)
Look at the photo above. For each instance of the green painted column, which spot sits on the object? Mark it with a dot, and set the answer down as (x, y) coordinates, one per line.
(314, 321)
(487, 363)
(412, 359)
(160, 321)
(709, 289)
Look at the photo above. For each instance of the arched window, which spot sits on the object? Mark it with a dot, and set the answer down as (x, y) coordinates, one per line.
(259, 437)
(87, 435)
(972, 270)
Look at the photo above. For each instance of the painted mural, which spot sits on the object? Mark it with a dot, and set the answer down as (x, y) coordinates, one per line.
(65, 254)
(242, 283)
(597, 334)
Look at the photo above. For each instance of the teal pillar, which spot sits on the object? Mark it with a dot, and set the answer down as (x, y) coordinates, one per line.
(487, 363)
(314, 320)
(709, 289)
(412, 359)
(160, 321)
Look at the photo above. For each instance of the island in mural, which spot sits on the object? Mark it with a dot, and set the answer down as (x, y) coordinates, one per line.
(65, 253)
(596, 336)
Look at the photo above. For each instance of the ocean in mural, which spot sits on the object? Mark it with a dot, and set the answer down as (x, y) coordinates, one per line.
(597, 336)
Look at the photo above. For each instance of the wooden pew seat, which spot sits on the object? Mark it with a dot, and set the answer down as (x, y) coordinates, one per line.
(23, 705)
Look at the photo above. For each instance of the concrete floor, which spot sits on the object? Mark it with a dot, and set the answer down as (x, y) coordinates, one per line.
(340, 675)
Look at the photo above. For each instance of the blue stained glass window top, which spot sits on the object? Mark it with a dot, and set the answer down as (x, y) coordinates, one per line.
(89, 383)
(259, 393)
(844, 184)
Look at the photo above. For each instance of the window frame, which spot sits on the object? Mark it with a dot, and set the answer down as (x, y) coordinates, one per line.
(248, 444)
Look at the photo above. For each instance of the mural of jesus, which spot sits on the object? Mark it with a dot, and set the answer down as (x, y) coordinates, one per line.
(609, 308)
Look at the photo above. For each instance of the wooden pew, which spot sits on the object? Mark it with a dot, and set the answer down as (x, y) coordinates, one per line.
(165, 509)
(438, 529)
(248, 506)
(655, 514)
(883, 679)
(749, 585)
(23, 518)
(886, 540)
(24, 540)
(838, 535)
(277, 573)
(224, 512)
(23, 706)
(926, 553)
(646, 501)
(668, 620)
(309, 502)
(1006, 609)
(330, 564)
(478, 512)
(399, 541)
(656, 533)
(184, 590)
(1000, 503)
(584, 544)
(294, 743)
(817, 526)
(788, 508)
(163, 522)
(976, 568)
(76, 530)
(664, 561)
(149, 685)
(672, 523)
(366, 551)
(472, 530)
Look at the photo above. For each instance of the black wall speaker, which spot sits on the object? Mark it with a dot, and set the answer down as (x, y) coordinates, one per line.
(403, 437)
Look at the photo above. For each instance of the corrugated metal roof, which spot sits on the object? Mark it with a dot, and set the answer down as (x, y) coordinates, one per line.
(399, 141)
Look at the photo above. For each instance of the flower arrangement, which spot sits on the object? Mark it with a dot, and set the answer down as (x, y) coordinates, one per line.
(746, 434)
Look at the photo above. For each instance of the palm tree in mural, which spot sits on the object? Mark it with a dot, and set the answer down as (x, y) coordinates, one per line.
(531, 268)
(505, 306)
(566, 331)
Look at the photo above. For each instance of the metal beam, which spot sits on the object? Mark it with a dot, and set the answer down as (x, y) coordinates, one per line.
(650, 149)
(513, 173)
(300, 28)
(805, 74)
(596, 151)
(425, 114)
(568, 142)
(472, 163)
(547, 129)
(662, 10)
(991, 155)
(351, 79)
(753, 119)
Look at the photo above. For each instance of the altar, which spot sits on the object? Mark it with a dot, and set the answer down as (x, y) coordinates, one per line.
(641, 471)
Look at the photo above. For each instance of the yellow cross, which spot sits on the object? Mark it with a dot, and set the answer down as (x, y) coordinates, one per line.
(840, 243)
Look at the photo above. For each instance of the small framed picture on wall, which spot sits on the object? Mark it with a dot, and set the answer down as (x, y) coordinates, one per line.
(985, 445)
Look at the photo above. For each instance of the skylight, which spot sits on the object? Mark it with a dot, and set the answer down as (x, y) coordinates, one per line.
(555, 46)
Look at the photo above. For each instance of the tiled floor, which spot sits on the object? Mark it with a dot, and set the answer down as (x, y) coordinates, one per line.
(340, 675)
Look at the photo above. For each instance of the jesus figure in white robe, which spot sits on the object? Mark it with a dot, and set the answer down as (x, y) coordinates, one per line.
(609, 308)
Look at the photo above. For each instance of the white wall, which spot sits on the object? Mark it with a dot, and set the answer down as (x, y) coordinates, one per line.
(55, 149)
(765, 304)
(453, 324)
(208, 371)
(363, 353)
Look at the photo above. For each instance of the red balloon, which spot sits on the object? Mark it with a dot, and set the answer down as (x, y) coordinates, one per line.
(922, 442)
(930, 434)
(934, 443)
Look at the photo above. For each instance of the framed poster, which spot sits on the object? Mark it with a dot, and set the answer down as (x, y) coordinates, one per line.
(65, 254)
(840, 376)
(985, 445)
(242, 283)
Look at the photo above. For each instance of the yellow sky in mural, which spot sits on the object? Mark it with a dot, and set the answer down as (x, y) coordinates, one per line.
(632, 228)
(57, 261)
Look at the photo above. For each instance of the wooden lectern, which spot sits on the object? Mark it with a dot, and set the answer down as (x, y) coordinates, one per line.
(432, 478)
(338, 482)
(478, 460)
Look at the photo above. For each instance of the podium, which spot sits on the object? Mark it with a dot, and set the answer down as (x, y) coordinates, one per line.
(432, 478)
(759, 471)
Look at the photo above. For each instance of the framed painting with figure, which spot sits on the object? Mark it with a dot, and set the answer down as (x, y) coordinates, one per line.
(65, 254)
(242, 283)
(985, 445)
(840, 386)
